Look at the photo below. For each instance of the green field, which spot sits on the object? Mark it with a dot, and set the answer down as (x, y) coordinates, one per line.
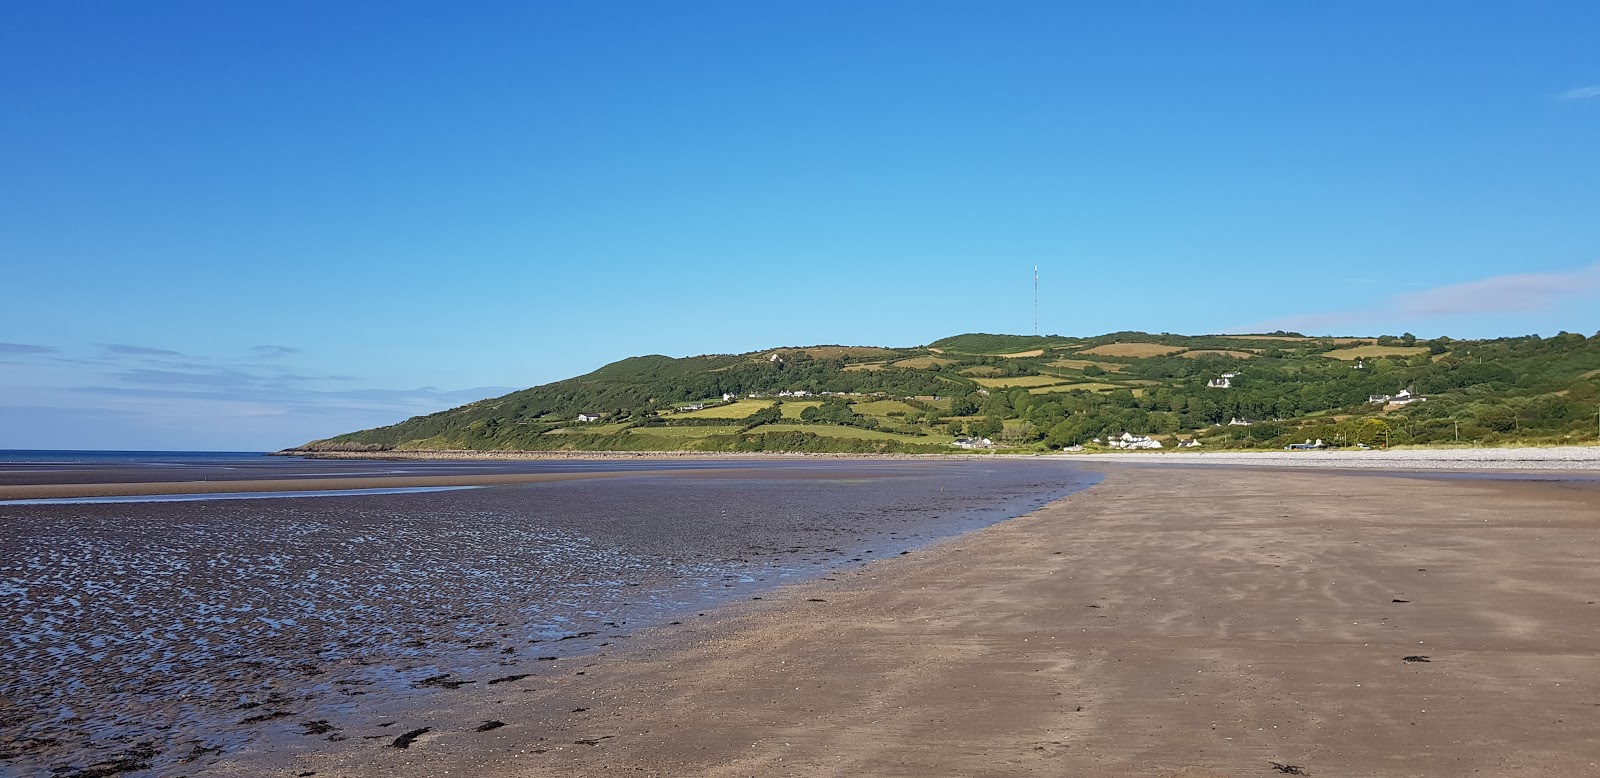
(684, 432)
(735, 410)
(590, 429)
(1079, 364)
(922, 363)
(1087, 387)
(1021, 380)
(856, 433)
(1211, 352)
(881, 407)
(792, 408)
(1375, 351)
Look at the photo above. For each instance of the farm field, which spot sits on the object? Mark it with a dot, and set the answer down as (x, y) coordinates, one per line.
(863, 366)
(1079, 364)
(1132, 350)
(736, 410)
(1373, 351)
(881, 407)
(1206, 352)
(981, 370)
(923, 363)
(793, 408)
(1038, 352)
(1019, 381)
(1086, 387)
(590, 429)
(855, 433)
(685, 432)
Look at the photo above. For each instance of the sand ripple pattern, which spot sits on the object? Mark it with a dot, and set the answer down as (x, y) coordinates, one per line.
(153, 636)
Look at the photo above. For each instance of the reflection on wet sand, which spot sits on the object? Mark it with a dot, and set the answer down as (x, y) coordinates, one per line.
(147, 635)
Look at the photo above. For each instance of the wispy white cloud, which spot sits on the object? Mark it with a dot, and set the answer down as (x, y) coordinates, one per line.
(271, 351)
(138, 351)
(25, 348)
(1580, 93)
(1512, 293)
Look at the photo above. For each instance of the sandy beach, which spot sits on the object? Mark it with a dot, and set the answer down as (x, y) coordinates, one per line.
(1170, 622)
(1566, 458)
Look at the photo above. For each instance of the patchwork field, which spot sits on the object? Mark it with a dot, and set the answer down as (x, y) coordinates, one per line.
(981, 370)
(1038, 352)
(864, 366)
(1373, 351)
(1132, 350)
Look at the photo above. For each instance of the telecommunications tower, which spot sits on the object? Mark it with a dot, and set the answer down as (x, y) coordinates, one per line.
(1036, 301)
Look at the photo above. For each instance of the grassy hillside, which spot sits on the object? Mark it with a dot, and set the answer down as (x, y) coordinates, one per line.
(1041, 393)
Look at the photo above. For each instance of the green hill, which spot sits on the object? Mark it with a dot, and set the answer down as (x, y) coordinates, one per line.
(1041, 393)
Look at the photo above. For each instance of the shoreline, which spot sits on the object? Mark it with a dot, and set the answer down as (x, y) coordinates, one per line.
(1172, 622)
(1499, 458)
(516, 456)
(1568, 458)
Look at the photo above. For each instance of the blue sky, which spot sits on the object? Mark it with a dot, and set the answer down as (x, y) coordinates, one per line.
(245, 225)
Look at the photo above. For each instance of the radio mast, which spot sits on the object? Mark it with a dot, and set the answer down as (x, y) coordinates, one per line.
(1035, 300)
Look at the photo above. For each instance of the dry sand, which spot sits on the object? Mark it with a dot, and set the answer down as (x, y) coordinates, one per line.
(1566, 458)
(1169, 622)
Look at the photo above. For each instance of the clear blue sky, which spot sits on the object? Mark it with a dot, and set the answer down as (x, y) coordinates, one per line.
(245, 225)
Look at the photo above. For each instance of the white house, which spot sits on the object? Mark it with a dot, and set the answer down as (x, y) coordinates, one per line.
(586, 417)
(1405, 397)
(1190, 443)
(1230, 375)
(972, 443)
(1238, 422)
(726, 396)
(1306, 446)
(1220, 383)
(693, 407)
(1126, 440)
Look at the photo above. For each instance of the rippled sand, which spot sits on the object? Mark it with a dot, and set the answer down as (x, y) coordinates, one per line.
(142, 637)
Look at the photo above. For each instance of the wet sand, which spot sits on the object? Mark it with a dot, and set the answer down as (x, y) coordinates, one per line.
(1164, 623)
(135, 488)
(145, 639)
